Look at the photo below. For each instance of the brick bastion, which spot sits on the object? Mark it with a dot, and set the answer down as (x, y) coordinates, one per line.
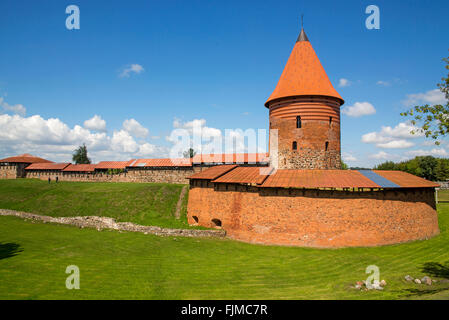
(330, 218)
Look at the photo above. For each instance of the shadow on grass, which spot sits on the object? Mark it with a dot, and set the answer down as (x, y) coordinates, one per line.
(435, 269)
(8, 250)
(432, 269)
(407, 293)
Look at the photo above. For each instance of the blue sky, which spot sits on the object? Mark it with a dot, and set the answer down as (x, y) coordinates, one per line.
(162, 65)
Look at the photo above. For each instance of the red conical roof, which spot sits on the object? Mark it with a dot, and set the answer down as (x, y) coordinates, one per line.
(303, 75)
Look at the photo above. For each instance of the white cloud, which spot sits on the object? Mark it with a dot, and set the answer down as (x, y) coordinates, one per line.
(437, 152)
(396, 144)
(95, 123)
(133, 127)
(381, 155)
(383, 83)
(390, 138)
(206, 139)
(431, 97)
(133, 68)
(17, 108)
(348, 157)
(344, 83)
(55, 140)
(359, 109)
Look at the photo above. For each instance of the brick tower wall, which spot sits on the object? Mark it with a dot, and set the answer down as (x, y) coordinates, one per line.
(320, 126)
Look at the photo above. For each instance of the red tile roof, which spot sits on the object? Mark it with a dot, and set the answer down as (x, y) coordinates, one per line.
(25, 158)
(303, 75)
(213, 172)
(231, 158)
(114, 164)
(406, 180)
(47, 166)
(318, 179)
(181, 162)
(80, 168)
(245, 175)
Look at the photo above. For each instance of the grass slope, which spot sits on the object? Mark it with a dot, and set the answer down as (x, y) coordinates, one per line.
(113, 265)
(141, 203)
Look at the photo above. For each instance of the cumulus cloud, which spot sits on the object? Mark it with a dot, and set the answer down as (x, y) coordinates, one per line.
(431, 97)
(17, 108)
(348, 157)
(134, 128)
(396, 144)
(437, 152)
(344, 83)
(204, 139)
(96, 123)
(133, 68)
(53, 139)
(381, 155)
(392, 137)
(359, 109)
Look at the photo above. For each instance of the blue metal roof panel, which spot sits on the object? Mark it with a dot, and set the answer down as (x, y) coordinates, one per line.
(381, 181)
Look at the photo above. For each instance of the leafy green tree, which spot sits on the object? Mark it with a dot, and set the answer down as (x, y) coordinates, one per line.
(442, 170)
(388, 165)
(344, 166)
(433, 120)
(80, 155)
(427, 166)
(189, 153)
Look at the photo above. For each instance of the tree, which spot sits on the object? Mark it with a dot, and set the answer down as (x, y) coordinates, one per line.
(189, 153)
(388, 165)
(442, 170)
(344, 166)
(433, 120)
(80, 155)
(428, 167)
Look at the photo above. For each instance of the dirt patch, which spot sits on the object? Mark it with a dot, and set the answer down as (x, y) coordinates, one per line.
(179, 204)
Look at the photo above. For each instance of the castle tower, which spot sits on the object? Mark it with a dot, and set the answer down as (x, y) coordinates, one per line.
(305, 109)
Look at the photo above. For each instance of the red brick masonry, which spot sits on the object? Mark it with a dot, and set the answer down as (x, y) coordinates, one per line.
(314, 218)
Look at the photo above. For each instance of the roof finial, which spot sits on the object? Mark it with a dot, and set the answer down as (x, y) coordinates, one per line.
(302, 36)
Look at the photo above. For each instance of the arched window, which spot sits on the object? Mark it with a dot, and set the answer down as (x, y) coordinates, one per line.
(298, 122)
(216, 222)
(295, 145)
(326, 146)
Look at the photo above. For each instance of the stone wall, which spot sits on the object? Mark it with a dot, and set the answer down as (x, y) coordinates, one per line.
(164, 175)
(314, 218)
(8, 171)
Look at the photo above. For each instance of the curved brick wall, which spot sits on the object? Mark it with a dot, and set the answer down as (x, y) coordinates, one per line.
(315, 218)
(311, 138)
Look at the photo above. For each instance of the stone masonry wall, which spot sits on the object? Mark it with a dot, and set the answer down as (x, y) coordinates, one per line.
(8, 172)
(315, 218)
(174, 175)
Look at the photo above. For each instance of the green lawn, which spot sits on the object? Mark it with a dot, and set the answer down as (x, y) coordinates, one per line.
(141, 203)
(114, 265)
(443, 195)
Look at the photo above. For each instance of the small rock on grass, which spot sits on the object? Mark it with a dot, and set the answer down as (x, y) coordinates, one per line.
(383, 283)
(426, 280)
(408, 278)
(417, 281)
